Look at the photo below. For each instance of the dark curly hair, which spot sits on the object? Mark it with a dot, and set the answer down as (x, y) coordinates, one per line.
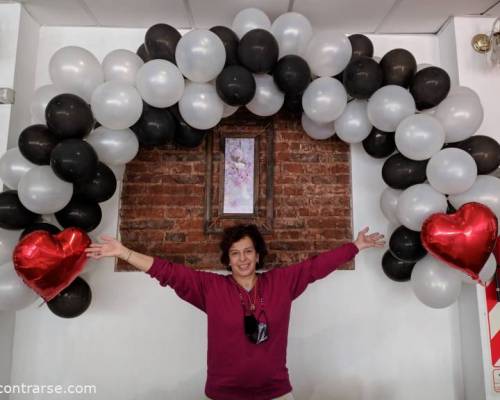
(237, 232)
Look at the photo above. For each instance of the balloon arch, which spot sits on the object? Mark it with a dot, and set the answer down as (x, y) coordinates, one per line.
(96, 115)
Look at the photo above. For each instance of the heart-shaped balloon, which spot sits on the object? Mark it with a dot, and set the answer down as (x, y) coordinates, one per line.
(49, 263)
(464, 240)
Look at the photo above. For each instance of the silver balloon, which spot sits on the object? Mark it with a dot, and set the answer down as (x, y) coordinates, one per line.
(8, 240)
(328, 53)
(228, 110)
(419, 136)
(388, 106)
(353, 125)
(293, 32)
(451, 171)
(315, 130)
(389, 204)
(14, 294)
(76, 70)
(42, 192)
(114, 147)
(461, 116)
(13, 166)
(249, 19)
(200, 55)
(268, 99)
(160, 83)
(463, 90)
(324, 100)
(485, 190)
(121, 65)
(434, 283)
(417, 203)
(116, 105)
(41, 98)
(200, 106)
(486, 274)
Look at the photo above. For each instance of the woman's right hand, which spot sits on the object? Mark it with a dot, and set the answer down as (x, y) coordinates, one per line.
(108, 247)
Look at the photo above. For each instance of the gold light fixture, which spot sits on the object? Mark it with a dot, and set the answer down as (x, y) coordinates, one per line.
(485, 44)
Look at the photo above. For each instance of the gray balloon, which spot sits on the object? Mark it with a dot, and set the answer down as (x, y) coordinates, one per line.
(114, 147)
(41, 98)
(42, 192)
(13, 166)
(451, 171)
(485, 190)
(8, 240)
(324, 100)
(200, 106)
(388, 106)
(389, 204)
(268, 99)
(434, 283)
(14, 294)
(417, 203)
(353, 125)
(315, 130)
(121, 65)
(419, 136)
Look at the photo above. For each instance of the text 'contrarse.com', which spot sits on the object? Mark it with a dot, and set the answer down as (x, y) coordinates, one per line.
(24, 388)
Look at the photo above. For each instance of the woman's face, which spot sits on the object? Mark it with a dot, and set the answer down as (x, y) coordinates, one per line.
(243, 258)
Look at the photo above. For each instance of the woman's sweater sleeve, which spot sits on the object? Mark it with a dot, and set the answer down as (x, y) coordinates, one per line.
(188, 283)
(299, 276)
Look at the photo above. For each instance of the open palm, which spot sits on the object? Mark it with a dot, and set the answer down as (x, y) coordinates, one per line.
(108, 247)
(364, 241)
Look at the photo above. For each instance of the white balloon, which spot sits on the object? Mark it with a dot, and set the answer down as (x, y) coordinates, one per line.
(249, 19)
(42, 192)
(229, 110)
(268, 99)
(434, 283)
(200, 106)
(485, 275)
(457, 90)
(353, 125)
(200, 55)
(8, 240)
(293, 32)
(460, 115)
(328, 53)
(14, 294)
(114, 147)
(324, 100)
(160, 83)
(116, 105)
(485, 190)
(315, 130)
(417, 203)
(451, 171)
(76, 70)
(419, 137)
(389, 204)
(121, 65)
(13, 166)
(41, 98)
(388, 106)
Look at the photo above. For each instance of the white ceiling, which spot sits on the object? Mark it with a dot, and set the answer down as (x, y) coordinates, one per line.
(349, 16)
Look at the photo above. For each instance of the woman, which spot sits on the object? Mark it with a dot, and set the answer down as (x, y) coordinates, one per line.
(248, 312)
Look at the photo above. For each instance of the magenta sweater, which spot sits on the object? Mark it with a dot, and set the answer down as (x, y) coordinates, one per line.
(237, 368)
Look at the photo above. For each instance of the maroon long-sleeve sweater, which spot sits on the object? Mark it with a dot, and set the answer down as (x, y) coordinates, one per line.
(237, 368)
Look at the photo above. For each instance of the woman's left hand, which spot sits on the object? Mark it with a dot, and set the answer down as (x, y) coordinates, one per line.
(364, 241)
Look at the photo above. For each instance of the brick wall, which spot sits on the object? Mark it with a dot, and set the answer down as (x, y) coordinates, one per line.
(162, 203)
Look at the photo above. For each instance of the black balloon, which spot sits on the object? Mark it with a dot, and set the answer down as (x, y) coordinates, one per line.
(100, 188)
(293, 103)
(484, 150)
(361, 45)
(36, 143)
(235, 85)
(230, 41)
(81, 213)
(379, 144)
(185, 135)
(400, 172)
(258, 51)
(397, 270)
(362, 77)
(13, 215)
(40, 226)
(74, 160)
(429, 87)
(143, 53)
(398, 66)
(155, 127)
(406, 245)
(292, 74)
(69, 116)
(72, 301)
(161, 41)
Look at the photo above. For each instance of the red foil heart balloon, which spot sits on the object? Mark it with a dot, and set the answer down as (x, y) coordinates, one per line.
(49, 263)
(464, 240)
